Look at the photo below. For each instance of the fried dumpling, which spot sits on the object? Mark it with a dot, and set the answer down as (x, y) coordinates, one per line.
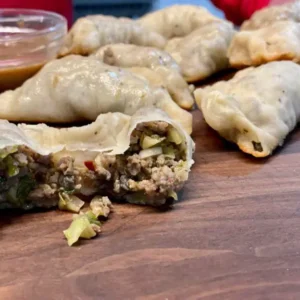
(92, 32)
(278, 41)
(77, 88)
(203, 52)
(257, 108)
(177, 20)
(157, 66)
(272, 14)
(144, 159)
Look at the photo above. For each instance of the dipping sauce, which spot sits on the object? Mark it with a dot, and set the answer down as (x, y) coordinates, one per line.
(12, 78)
(28, 40)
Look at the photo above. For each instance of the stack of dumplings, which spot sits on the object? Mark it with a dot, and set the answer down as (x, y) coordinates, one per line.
(260, 105)
(133, 83)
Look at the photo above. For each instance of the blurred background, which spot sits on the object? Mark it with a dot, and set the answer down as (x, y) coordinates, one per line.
(131, 8)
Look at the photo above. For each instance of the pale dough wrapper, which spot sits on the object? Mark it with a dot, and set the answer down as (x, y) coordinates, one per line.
(257, 108)
(112, 136)
(203, 52)
(92, 32)
(157, 66)
(177, 20)
(77, 88)
(278, 41)
(272, 14)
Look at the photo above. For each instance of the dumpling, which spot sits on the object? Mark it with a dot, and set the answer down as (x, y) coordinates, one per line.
(203, 52)
(38, 163)
(157, 66)
(272, 14)
(125, 55)
(257, 108)
(177, 20)
(77, 88)
(92, 32)
(177, 87)
(278, 41)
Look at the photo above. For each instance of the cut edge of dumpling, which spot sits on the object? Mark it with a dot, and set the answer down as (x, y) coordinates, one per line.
(74, 160)
(222, 113)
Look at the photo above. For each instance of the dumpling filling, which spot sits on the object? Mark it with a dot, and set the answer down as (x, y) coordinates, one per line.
(150, 172)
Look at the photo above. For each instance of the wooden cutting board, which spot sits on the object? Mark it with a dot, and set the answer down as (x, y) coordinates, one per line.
(235, 234)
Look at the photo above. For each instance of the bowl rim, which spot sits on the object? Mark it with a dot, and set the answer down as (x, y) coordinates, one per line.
(61, 22)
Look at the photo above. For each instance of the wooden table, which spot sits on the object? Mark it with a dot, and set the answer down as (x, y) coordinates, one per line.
(235, 234)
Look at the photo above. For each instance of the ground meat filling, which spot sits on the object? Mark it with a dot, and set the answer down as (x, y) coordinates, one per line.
(149, 172)
(28, 179)
(145, 179)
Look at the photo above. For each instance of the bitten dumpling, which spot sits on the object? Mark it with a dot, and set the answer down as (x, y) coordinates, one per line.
(257, 108)
(77, 88)
(157, 66)
(92, 32)
(278, 41)
(145, 159)
(272, 14)
(177, 20)
(203, 52)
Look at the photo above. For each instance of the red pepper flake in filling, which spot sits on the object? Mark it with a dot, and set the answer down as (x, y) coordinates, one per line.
(90, 165)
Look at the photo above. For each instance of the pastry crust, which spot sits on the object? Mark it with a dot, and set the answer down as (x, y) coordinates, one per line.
(92, 32)
(77, 88)
(272, 14)
(155, 65)
(203, 52)
(177, 20)
(257, 108)
(278, 41)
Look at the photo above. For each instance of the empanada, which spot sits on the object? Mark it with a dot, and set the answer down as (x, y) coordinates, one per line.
(257, 108)
(203, 52)
(77, 88)
(278, 41)
(144, 159)
(92, 32)
(157, 66)
(272, 14)
(177, 20)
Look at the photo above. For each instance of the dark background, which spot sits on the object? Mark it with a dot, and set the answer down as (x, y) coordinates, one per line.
(131, 8)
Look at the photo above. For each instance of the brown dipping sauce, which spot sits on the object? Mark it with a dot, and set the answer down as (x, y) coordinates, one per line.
(14, 77)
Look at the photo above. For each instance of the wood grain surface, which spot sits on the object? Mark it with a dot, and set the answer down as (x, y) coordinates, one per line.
(235, 234)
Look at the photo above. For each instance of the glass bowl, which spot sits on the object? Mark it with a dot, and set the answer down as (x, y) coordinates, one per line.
(28, 39)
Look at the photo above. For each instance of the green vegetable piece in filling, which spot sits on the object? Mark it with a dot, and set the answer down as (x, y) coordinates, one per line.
(169, 152)
(79, 228)
(150, 152)
(181, 171)
(137, 198)
(69, 202)
(12, 169)
(173, 195)
(150, 141)
(8, 150)
(92, 218)
(11, 196)
(174, 136)
(17, 194)
(25, 186)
